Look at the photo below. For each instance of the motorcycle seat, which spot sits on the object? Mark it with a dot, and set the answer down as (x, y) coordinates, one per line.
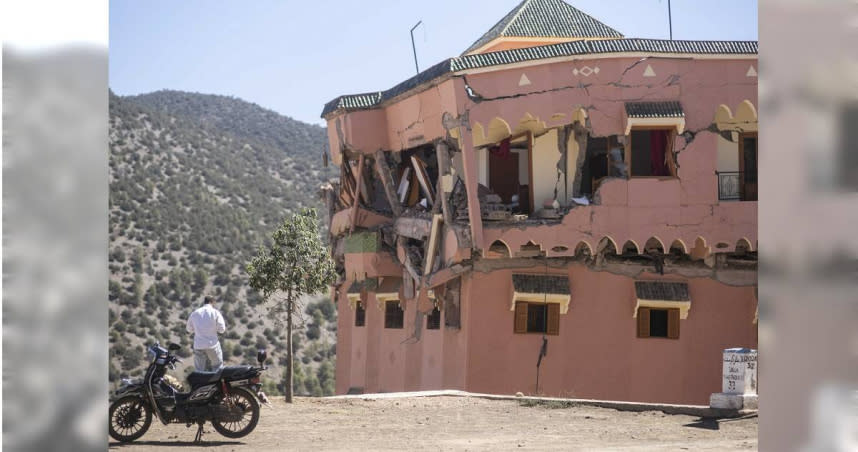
(197, 379)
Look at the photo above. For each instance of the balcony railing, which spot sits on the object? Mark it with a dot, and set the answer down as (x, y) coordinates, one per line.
(729, 185)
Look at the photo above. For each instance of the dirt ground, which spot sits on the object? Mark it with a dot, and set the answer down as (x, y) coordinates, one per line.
(457, 423)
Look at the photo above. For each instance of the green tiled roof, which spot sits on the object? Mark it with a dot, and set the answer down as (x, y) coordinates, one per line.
(593, 47)
(669, 109)
(540, 284)
(660, 290)
(546, 19)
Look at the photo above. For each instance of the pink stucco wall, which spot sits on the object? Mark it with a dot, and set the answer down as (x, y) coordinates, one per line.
(597, 353)
(377, 359)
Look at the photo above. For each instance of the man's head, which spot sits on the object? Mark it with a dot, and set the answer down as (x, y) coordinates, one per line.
(208, 300)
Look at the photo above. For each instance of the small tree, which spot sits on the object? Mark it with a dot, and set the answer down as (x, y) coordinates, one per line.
(296, 263)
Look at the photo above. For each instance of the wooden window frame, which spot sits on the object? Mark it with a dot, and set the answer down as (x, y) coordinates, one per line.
(629, 148)
(433, 320)
(388, 324)
(360, 320)
(643, 323)
(742, 136)
(521, 313)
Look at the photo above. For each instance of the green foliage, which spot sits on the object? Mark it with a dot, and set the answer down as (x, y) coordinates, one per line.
(196, 183)
(296, 263)
(114, 290)
(312, 386)
(325, 374)
(297, 379)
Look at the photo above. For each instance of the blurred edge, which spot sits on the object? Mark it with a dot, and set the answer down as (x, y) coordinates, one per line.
(55, 228)
(808, 220)
(55, 193)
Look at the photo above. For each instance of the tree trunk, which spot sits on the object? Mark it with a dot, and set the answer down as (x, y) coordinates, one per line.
(289, 373)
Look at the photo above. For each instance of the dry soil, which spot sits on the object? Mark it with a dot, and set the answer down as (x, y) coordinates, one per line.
(457, 423)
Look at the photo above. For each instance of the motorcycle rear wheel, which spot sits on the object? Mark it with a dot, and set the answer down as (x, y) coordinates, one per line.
(130, 418)
(249, 407)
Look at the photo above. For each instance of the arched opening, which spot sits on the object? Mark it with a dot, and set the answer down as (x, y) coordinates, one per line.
(678, 248)
(583, 249)
(630, 247)
(498, 250)
(654, 246)
(743, 246)
(607, 246)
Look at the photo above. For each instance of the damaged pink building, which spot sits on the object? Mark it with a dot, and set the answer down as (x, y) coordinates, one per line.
(558, 187)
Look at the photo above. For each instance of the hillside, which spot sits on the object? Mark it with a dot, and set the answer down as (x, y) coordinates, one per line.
(197, 182)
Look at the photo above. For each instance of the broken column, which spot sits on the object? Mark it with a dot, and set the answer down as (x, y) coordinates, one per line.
(739, 383)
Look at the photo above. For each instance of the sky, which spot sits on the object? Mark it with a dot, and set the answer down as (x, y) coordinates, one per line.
(294, 56)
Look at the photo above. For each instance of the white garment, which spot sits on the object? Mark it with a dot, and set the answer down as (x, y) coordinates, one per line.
(205, 323)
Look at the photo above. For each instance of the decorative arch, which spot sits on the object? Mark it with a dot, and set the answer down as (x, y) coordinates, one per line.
(528, 122)
(583, 248)
(631, 247)
(479, 134)
(701, 250)
(607, 245)
(678, 247)
(744, 120)
(654, 244)
(723, 114)
(746, 112)
(499, 249)
(498, 130)
(743, 245)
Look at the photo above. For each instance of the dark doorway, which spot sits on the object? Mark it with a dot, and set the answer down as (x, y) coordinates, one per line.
(503, 175)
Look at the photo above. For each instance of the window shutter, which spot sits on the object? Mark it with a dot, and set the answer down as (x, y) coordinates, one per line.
(668, 153)
(643, 322)
(553, 319)
(521, 317)
(673, 323)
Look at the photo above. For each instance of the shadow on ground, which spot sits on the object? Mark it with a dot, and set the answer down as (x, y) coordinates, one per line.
(712, 423)
(113, 445)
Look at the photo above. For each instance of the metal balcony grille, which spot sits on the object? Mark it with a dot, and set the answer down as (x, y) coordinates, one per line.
(729, 185)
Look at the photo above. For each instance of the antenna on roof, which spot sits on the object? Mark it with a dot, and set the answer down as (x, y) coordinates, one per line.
(669, 19)
(413, 48)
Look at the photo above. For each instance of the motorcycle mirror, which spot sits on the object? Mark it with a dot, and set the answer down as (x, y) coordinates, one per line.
(261, 355)
(173, 347)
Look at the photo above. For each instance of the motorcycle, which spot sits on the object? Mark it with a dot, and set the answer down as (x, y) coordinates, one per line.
(228, 397)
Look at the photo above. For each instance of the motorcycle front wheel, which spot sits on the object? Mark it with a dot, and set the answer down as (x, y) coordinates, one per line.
(242, 414)
(130, 418)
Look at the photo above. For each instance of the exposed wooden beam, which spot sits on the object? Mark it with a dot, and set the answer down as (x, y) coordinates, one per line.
(433, 244)
(443, 155)
(357, 194)
(384, 174)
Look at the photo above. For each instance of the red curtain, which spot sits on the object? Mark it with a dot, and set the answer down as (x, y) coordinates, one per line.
(658, 148)
(502, 150)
